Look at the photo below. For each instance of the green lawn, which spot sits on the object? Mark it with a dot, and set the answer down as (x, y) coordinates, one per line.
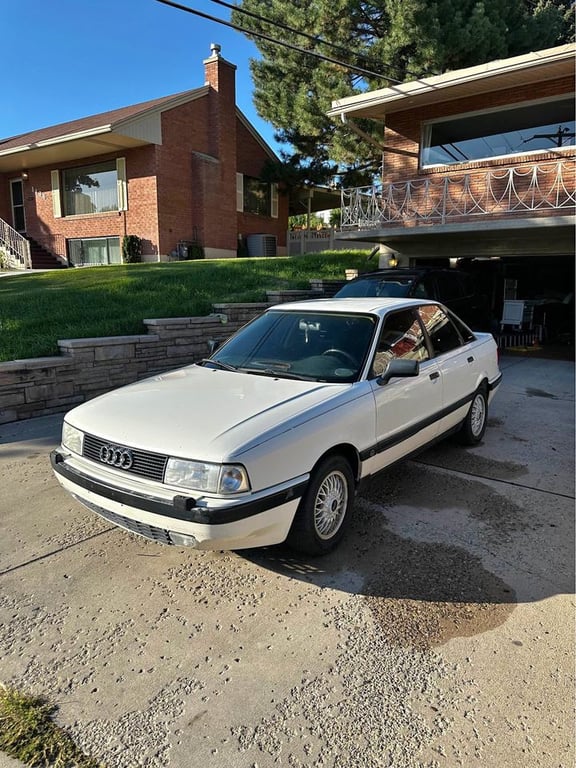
(37, 309)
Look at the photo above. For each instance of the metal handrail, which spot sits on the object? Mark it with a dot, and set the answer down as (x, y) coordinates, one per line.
(432, 200)
(16, 246)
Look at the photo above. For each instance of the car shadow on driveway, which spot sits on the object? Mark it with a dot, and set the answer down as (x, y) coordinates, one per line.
(420, 594)
(432, 553)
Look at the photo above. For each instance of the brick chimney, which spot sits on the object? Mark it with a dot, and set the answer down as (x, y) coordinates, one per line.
(220, 76)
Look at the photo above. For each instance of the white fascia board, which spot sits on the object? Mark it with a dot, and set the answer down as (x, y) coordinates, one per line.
(147, 126)
(73, 136)
(59, 140)
(110, 127)
(15, 150)
(177, 101)
(453, 78)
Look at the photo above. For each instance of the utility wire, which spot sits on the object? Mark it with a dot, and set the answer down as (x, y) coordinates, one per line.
(351, 67)
(313, 38)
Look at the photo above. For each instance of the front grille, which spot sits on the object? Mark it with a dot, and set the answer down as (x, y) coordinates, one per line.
(145, 464)
(148, 531)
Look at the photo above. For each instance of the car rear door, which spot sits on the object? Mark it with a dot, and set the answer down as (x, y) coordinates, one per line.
(456, 362)
(407, 409)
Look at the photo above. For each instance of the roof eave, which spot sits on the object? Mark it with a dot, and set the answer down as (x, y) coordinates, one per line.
(421, 91)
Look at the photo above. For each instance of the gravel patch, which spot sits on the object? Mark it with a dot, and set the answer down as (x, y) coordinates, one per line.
(379, 705)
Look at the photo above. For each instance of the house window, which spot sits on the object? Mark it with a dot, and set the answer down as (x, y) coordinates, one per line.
(94, 251)
(255, 196)
(90, 189)
(538, 127)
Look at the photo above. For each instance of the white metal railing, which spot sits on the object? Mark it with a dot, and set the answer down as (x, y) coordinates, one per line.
(432, 200)
(15, 247)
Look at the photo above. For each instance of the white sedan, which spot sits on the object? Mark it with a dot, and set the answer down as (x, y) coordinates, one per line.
(268, 439)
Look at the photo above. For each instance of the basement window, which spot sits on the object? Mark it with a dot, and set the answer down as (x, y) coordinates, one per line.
(94, 251)
(537, 127)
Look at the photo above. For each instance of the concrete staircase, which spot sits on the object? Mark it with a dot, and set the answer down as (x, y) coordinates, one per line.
(42, 258)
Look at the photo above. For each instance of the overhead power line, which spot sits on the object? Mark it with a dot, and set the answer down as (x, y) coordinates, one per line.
(314, 38)
(360, 70)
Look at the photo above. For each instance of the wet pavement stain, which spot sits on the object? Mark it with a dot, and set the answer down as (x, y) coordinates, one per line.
(420, 595)
(434, 592)
(417, 485)
(531, 392)
(450, 456)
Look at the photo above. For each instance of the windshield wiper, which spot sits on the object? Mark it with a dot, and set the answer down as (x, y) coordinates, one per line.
(217, 364)
(278, 374)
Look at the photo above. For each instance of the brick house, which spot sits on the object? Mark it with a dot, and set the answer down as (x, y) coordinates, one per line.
(179, 170)
(478, 172)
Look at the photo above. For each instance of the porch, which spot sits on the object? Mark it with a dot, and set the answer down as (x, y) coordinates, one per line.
(481, 197)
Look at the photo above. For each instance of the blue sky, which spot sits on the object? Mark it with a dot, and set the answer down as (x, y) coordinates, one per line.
(66, 59)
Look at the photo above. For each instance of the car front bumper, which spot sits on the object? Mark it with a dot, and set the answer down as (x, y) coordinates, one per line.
(262, 519)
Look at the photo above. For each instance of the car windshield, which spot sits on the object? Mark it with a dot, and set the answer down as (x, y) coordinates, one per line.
(397, 287)
(315, 346)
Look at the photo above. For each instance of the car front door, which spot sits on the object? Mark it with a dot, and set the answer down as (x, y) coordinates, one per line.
(407, 408)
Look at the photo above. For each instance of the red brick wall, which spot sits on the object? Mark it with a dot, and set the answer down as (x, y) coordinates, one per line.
(5, 204)
(183, 189)
(403, 128)
(251, 159)
(197, 166)
(220, 190)
(180, 204)
(140, 219)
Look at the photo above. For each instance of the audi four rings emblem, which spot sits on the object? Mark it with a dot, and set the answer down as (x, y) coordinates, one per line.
(116, 457)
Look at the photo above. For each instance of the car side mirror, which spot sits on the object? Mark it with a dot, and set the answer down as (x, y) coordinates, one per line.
(213, 345)
(398, 369)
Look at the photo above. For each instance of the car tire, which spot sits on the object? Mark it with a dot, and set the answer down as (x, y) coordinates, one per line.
(474, 425)
(324, 510)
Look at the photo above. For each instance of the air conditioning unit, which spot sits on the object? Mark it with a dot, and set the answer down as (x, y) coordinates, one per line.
(261, 245)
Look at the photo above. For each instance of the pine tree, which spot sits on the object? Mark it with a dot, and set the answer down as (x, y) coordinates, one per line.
(397, 40)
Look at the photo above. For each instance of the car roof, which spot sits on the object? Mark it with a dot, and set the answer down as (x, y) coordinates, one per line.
(400, 272)
(371, 304)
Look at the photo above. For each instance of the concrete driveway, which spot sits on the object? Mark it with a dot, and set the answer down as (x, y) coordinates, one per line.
(440, 634)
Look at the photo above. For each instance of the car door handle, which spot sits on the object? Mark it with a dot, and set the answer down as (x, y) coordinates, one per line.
(471, 359)
(434, 375)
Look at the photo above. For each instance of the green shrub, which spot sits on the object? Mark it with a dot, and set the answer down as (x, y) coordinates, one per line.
(131, 249)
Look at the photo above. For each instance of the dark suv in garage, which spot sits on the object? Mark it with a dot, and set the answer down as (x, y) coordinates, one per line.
(457, 290)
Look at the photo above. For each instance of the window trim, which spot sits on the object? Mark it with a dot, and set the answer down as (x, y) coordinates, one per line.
(273, 196)
(240, 192)
(109, 263)
(121, 186)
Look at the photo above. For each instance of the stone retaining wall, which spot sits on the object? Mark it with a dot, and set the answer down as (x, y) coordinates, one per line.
(89, 367)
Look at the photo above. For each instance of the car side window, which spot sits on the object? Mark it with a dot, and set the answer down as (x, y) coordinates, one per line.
(401, 337)
(443, 334)
(420, 291)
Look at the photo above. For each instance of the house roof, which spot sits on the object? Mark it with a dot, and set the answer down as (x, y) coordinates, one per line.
(485, 78)
(111, 131)
(313, 199)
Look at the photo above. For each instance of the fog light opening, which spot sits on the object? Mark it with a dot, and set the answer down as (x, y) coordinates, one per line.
(183, 540)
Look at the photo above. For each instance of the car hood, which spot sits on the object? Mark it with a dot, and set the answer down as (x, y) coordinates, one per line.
(203, 413)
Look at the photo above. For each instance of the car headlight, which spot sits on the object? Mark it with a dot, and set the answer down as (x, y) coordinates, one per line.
(72, 438)
(211, 478)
